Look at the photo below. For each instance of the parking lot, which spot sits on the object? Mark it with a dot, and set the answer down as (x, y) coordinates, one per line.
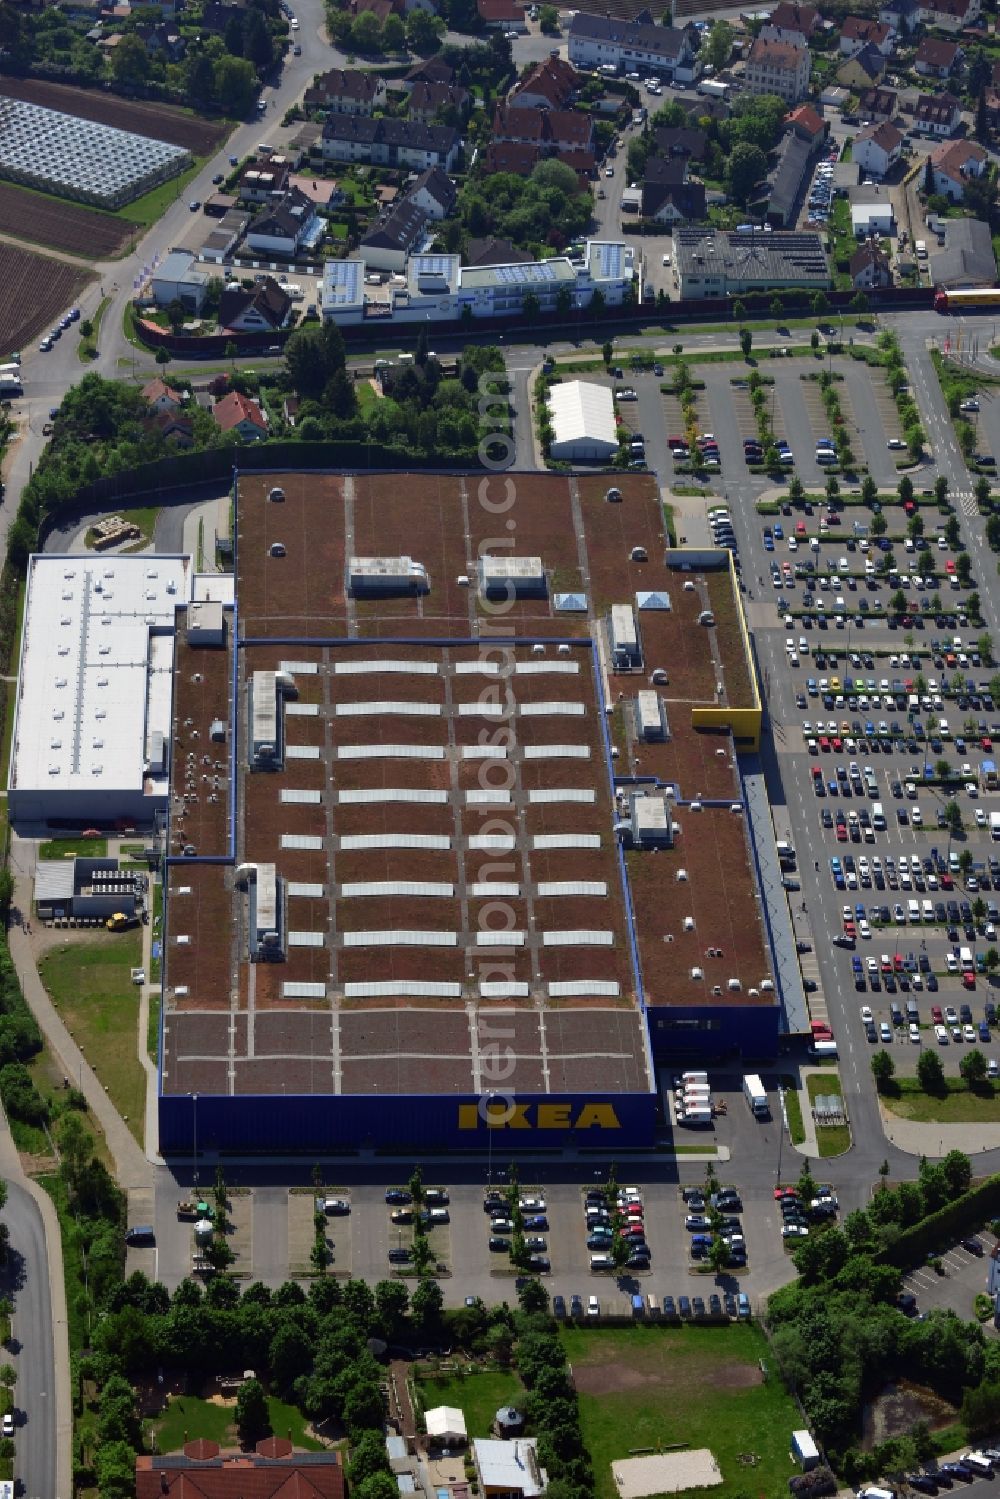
(964, 1278)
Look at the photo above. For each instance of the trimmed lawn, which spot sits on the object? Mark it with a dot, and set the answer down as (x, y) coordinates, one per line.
(794, 1111)
(956, 1105)
(88, 980)
(479, 1395)
(71, 848)
(188, 1417)
(153, 206)
(832, 1139)
(653, 1386)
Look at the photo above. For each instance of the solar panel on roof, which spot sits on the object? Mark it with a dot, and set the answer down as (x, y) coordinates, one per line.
(302, 710)
(306, 939)
(373, 795)
(553, 710)
(291, 990)
(300, 840)
(566, 840)
(556, 751)
(577, 988)
(384, 706)
(359, 888)
(436, 841)
(355, 668)
(302, 752)
(502, 938)
(402, 988)
(550, 795)
(494, 890)
(500, 990)
(572, 887)
(294, 797)
(495, 842)
(393, 938)
(580, 937)
(390, 752)
(305, 887)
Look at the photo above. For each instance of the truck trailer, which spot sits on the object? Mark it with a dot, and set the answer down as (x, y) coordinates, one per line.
(755, 1095)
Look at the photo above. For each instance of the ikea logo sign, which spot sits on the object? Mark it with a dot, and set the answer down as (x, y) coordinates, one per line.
(507, 1114)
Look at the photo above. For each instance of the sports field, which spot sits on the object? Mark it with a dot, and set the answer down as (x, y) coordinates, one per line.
(654, 1386)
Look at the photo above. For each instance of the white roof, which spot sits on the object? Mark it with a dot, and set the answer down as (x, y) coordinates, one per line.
(445, 1421)
(88, 701)
(584, 413)
(510, 1467)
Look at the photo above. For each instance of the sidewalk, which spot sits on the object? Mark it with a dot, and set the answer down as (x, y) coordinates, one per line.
(131, 1167)
(937, 1139)
(10, 1170)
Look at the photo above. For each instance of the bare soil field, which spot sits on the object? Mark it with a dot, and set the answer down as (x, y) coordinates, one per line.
(34, 291)
(161, 121)
(61, 225)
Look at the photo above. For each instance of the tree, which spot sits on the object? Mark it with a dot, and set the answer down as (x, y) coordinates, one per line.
(162, 355)
(367, 1457)
(548, 20)
(392, 1301)
(929, 176)
(820, 304)
(869, 490)
(718, 46)
(533, 1296)
(991, 960)
(257, 45)
(883, 1069)
(952, 811)
(859, 303)
(930, 1072)
(423, 30)
(965, 862)
(747, 165)
(879, 525)
(963, 566)
(252, 1419)
(777, 307)
(393, 33)
(739, 311)
(235, 85)
(531, 306)
(973, 1068)
(130, 61)
(718, 1254)
(952, 535)
(426, 1303)
(366, 33)
(746, 342)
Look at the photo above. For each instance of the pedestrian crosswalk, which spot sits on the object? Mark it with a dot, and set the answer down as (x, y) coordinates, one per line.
(967, 500)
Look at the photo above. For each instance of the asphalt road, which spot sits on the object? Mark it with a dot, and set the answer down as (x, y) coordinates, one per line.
(25, 1281)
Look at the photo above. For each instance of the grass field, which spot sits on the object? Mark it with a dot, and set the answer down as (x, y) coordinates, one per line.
(958, 1104)
(153, 206)
(832, 1139)
(480, 1396)
(652, 1386)
(794, 1111)
(187, 1417)
(88, 980)
(87, 348)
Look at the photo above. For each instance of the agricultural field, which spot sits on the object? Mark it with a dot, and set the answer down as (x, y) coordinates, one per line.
(60, 225)
(161, 121)
(34, 291)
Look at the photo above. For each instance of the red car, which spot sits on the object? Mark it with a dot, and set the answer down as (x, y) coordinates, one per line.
(969, 980)
(850, 930)
(947, 883)
(898, 962)
(936, 1015)
(824, 744)
(986, 742)
(838, 745)
(780, 1192)
(841, 832)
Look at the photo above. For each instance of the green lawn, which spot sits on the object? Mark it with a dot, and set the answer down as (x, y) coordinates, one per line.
(832, 1139)
(655, 1385)
(88, 980)
(71, 848)
(187, 1417)
(87, 348)
(480, 1396)
(794, 1111)
(956, 1105)
(153, 206)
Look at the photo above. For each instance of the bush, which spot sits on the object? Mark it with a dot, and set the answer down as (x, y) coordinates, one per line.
(961, 1216)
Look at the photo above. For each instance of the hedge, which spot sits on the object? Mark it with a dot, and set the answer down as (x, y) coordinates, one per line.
(966, 1213)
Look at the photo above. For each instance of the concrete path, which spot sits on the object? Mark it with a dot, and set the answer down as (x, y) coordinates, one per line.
(43, 1387)
(131, 1167)
(938, 1139)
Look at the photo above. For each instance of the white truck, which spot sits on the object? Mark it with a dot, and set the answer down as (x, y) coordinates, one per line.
(713, 87)
(995, 826)
(755, 1095)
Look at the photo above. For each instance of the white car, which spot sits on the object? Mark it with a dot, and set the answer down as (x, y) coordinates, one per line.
(941, 1033)
(914, 1032)
(609, 171)
(895, 443)
(593, 1307)
(532, 1204)
(795, 1231)
(8, 1424)
(866, 1015)
(666, 260)
(980, 817)
(968, 1033)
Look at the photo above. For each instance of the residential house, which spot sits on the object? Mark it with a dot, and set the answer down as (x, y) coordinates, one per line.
(552, 84)
(804, 122)
(380, 9)
(556, 131)
(509, 1470)
(871, 210)
(937, 114)
(216, 16)
(262, 308)
(433, 70)
(789, 22)
(688, 141)
(780, 68)
(967, 259)
(389, 143)
(993, 96)
(346, 91)
(263, 180)
(178, 430)
(320, 191)
(285, 227)
(863, 70)
(177, 279)
(877, 148)
(493, 251)
(162, 41)
(237, 413)
(953, 163)
(950, 15)
(160, 397)
(510, 156)
(780, 194)
(902, 15)
(877, 104)
(434, 193)
(502, 15)
(667, 196)
(861, 31)
(936, 58)
(604, 41)
(273, 1471)
(428, 100)
(394, 237)
(869, 267)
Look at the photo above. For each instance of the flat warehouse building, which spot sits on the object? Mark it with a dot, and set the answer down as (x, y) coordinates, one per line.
(729, 263)
(452, 872)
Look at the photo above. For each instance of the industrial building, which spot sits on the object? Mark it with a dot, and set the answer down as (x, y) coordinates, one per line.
(729, 263)
(81, 159)
(462, 890)
(583, 422)
(86, 892)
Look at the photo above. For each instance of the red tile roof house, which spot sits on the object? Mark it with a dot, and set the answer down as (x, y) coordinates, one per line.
(274, 1471)
(162, 397)
(806, 123)
(862, 31)
(237, 413)
(953, 163)
(552, 84)
(936, 59)
(501, 15)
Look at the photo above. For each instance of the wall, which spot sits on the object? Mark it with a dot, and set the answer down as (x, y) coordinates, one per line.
(705, 1030)
(321, 1122)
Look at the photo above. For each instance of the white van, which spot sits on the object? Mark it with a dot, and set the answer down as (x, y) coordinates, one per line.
(692, 1077)
(913, 911)
(965, 959)
(928, 910)
(921, 249)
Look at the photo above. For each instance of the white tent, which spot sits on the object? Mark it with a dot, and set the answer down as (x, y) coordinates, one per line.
(446, 1424)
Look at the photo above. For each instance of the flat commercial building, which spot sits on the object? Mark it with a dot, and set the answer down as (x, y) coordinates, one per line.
(92, 719)
(412, 908)
(729, 263)
(81, 159)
